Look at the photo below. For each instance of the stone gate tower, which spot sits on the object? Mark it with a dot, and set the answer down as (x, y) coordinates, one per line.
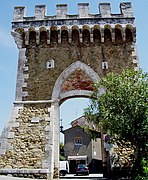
(60, 57)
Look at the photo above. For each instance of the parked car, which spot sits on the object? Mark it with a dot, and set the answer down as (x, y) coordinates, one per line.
(64, 168)
(82, 169)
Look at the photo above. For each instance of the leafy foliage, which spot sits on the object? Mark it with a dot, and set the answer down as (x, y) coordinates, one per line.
(123, 108)
(62, 156)
(144, 175)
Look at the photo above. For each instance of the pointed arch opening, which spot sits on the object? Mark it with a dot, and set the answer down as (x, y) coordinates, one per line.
(75, 89)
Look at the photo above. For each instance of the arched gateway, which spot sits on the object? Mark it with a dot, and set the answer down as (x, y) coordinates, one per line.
(75, 80)
(60, 57)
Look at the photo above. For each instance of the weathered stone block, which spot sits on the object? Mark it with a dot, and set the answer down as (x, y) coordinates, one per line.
(105, 10)
(11, 135)
(61, 11)
(83, 10)
(47, 128)
(15, 124)
(126, 9)
(35, 119)
(2, 152)
(40, 11)
(19, 13)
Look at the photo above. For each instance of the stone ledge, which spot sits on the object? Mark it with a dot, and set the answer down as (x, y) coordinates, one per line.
(2, 151)
(36, 102)
(11, 135)
(24, 171)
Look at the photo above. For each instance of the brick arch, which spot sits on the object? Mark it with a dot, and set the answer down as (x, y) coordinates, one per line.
(89, 72)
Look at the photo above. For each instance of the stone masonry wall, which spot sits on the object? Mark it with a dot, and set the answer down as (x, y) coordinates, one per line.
(41, 80)
(29, 139)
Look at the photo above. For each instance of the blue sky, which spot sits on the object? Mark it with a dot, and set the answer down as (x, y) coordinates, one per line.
(9, 51)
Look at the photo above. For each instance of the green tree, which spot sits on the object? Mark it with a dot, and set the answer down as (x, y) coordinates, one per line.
(62, 157)
(123, 109)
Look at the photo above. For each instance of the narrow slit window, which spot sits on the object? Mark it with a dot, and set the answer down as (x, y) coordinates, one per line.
(104, 65)
(50, 64)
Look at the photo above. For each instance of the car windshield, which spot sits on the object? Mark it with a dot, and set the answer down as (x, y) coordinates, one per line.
(81, 165)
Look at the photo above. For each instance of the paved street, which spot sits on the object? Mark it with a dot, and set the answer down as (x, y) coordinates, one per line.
(80, 176)
(90, 176)
(12, 178)
(68, 176)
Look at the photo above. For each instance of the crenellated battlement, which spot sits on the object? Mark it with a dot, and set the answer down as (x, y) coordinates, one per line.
(83, 12)
(55, 26)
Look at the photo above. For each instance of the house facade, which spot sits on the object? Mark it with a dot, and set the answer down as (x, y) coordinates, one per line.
(80, 148)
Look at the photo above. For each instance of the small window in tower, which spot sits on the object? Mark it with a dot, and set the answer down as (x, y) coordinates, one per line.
(35, 119)
(50, 64)
(105, 65)
(78, 140)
